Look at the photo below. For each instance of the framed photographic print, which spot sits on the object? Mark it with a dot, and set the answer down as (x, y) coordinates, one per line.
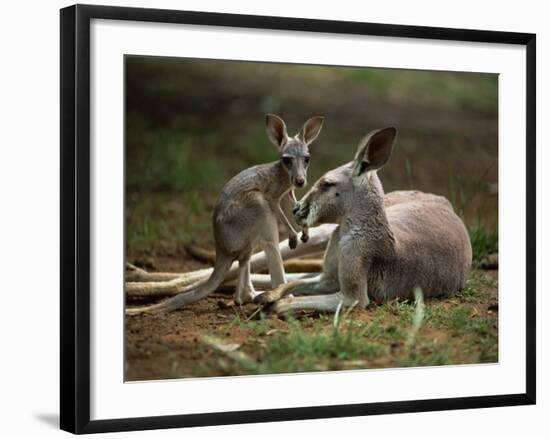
(267, 218)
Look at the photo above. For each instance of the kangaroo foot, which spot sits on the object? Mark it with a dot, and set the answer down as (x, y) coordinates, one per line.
(271, 295)
(246, 295)
(283, 306)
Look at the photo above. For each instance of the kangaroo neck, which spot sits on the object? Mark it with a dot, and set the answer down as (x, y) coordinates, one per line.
(279, 181)
(367, 219)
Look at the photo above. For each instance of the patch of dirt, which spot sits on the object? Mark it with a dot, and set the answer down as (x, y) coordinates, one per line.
(170, 346)
(160, 344)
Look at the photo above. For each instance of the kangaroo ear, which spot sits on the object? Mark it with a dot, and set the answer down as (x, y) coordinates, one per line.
(374, 150)
(276, 130)
(311, 129)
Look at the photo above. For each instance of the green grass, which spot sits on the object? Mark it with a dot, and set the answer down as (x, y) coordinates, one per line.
(476, 92)
(170, 158)
(166, 217)
(396, 334)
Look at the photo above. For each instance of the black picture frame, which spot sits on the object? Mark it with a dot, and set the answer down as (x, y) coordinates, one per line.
(75, 217)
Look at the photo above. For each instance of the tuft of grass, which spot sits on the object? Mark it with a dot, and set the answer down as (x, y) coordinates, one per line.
(475, 286)
(484, 242)
(426, 353)
(442, 317)
(315, 345)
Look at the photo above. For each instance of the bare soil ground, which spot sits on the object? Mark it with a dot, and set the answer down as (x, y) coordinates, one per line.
(459, 330)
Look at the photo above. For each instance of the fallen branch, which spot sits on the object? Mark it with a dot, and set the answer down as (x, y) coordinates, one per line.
(201, 253)
(260, 282)
(182, 282)
(303, 265)
(293, 265)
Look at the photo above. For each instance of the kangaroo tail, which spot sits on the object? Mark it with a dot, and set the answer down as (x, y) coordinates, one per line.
(221, 267)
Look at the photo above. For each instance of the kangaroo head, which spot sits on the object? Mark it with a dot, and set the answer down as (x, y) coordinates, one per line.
(293, 151)
(334, 195)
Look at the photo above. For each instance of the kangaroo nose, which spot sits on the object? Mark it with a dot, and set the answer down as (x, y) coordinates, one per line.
(300, 181)
(295, 209)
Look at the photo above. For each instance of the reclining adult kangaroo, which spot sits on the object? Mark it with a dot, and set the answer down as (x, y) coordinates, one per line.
(246, 214)
(376, 252)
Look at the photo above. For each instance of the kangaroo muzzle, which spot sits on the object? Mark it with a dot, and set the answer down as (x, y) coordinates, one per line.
(301, 213)
(299, 182)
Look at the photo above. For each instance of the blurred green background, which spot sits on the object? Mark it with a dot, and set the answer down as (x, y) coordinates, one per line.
(193, 124)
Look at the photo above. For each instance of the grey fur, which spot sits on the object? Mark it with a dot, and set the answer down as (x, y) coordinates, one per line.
(247, 210)
(384, 247)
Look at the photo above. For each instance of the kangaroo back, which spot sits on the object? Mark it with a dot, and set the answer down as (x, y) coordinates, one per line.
(432, 250)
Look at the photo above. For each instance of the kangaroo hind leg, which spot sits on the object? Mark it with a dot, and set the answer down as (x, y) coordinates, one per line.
(245, 290)
(274, 264)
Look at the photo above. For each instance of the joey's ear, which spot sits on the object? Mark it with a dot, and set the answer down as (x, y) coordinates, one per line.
(311, 129)
(276, 130)
(374, 150)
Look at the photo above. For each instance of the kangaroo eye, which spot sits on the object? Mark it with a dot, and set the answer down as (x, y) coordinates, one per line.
(327, 185)
(287, 161)
(306, 160)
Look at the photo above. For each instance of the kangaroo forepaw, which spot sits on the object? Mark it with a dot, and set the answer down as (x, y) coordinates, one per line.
(293, 241)
(305, 236)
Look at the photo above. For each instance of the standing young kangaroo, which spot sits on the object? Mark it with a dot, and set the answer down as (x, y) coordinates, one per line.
(377, 252)
(247, 210)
